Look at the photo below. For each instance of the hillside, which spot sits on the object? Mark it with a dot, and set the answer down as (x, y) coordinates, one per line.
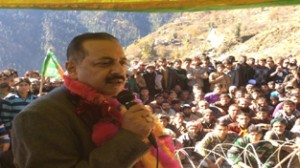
(26, 35)
(257, 32)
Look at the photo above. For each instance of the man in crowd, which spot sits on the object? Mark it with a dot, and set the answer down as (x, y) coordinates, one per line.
(233, 111)
(169, 76)
(282, 140)
(195, 75)
(181, 74)
(188, 140)
(244, 72)
(13, 103)
(262, 73)
(4, 84)
(219, 77)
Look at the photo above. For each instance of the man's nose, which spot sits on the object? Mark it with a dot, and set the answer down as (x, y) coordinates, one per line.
(118, 68)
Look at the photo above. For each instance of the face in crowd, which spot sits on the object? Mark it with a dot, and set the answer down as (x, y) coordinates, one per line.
(243, 120)
(255, 137)
(221, 131)
(233, 111)
(289, 108)
(279, 128)
(3, 81)
(23, 88)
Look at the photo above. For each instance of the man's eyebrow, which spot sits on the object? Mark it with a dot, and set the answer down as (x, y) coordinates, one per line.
(124, 59)
(106, 57)
(110, 58)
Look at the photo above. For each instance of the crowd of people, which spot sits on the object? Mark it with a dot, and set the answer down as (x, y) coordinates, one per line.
(217, 112)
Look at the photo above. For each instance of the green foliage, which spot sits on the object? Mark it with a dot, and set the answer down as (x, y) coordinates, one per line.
(148, 51)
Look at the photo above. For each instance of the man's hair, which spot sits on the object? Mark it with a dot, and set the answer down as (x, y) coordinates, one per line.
(220, 123)
(165, 101)
(274, 98)
(224, 95)
(234, 105)
(178, 61)
(75, 50)
(261, 98)
(220, 85)
(254, 128)
(158, 95)
(242, 113)
(295, 95)
(187, 59)
(288, 102)
(166, 117)
(175, 101)
(220, 65)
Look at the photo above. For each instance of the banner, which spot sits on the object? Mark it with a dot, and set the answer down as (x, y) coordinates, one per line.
(142, 5)
(51, 67)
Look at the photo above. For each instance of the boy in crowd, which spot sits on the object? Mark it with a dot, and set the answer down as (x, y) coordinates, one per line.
(208, 120)
(179, 123)
(214, 96)
(233, 111)
(241, 125)
(249, 147)
(219, 136)
(289, 113)
(157, 103)
(262, 120)
(223, 104)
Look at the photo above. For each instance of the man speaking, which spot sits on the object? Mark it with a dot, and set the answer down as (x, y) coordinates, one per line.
(81, 124)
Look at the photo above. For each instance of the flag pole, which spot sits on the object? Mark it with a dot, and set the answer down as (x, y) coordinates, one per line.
(41, 86)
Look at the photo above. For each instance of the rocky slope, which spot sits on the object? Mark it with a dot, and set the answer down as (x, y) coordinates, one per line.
(257, 32)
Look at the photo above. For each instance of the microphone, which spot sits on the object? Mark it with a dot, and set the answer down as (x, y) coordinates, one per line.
(126, 98)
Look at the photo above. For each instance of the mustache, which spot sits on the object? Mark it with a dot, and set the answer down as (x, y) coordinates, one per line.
(114, 77)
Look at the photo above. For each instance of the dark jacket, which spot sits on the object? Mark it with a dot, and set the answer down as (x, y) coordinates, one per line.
(49, 134)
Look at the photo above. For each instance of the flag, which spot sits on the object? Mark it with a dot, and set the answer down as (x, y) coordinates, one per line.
(215, 39)
(51, 67)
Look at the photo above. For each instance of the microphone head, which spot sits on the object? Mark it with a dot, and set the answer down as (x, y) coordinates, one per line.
(125, 96)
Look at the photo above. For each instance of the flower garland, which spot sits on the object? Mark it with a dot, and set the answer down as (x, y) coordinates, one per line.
(110, 116)
(110, 122)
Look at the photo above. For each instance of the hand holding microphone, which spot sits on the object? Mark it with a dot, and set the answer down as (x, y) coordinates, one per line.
(137, 119)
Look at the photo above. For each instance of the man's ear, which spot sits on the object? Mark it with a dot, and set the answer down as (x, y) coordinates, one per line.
(71, 69)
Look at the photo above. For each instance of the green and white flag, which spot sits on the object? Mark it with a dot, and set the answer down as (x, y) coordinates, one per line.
(51, 67)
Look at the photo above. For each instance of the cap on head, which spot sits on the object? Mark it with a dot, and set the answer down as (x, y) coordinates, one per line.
(275, 120)
(252, 81)
(186, 106)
